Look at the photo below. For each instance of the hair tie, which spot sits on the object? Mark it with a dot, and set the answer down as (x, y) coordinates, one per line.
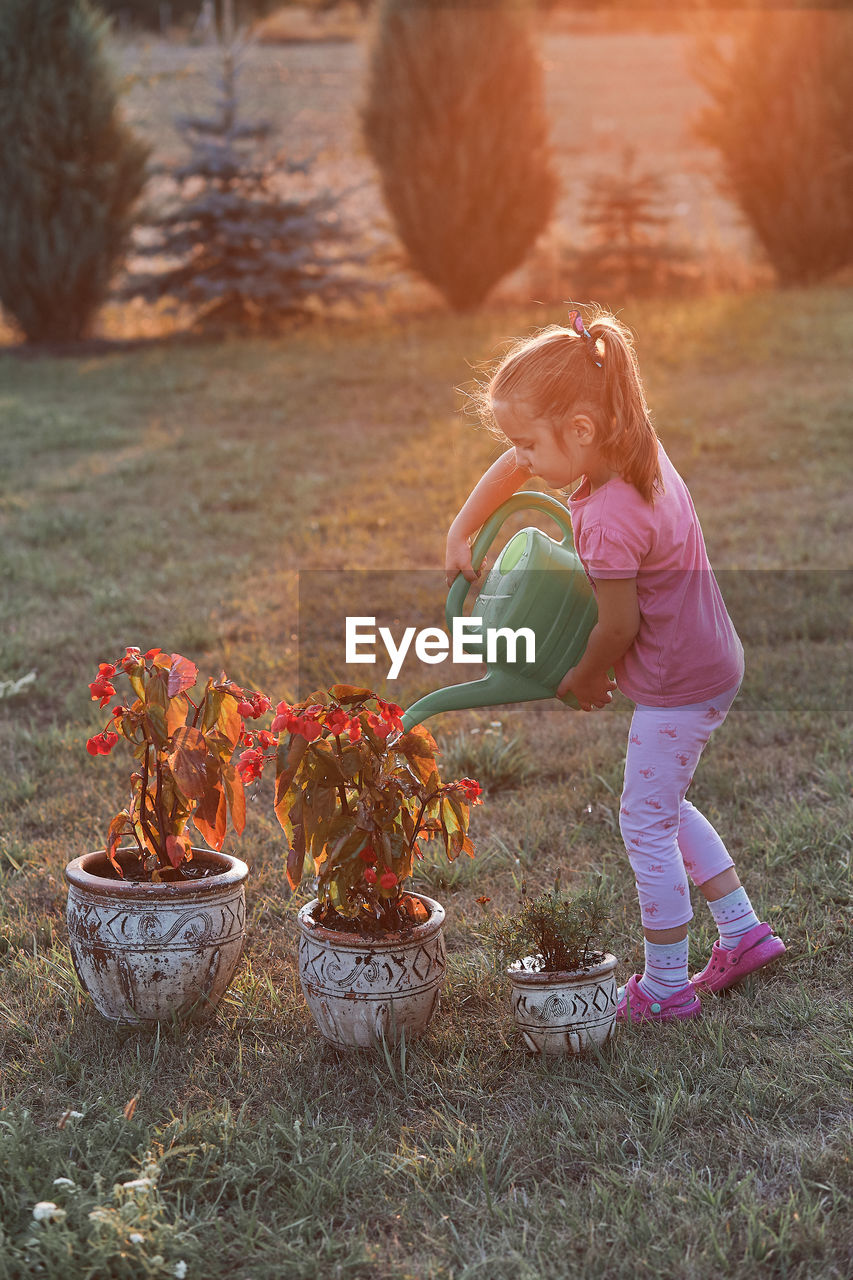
(576, 323)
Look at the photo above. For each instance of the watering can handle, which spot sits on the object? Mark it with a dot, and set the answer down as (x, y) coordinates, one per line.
(524, 500)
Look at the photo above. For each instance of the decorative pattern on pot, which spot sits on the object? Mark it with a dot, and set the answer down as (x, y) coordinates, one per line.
(360, 989)
(564, 1012)
(149, 952)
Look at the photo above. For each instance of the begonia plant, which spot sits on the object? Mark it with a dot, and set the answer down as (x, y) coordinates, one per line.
(362, 798)
(184, 746)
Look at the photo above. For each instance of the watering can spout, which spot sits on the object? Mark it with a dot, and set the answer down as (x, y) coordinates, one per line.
(493, 690)
(537, 586)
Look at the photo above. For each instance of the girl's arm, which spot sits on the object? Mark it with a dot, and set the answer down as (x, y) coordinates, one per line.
(494, 487)
(609, 640)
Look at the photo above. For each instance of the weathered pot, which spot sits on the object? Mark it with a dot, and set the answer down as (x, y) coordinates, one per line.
(149, 952)
(361, 989)
(564, 1012)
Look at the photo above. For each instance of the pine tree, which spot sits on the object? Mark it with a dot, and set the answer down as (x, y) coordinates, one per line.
(782, 102)
(629, 251)
(455, 122)
(241, 253)
(70, 169)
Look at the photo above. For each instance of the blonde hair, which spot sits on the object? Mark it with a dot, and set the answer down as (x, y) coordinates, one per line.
(560, 373)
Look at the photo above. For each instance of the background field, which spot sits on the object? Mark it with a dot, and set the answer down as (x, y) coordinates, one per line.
(169, 496)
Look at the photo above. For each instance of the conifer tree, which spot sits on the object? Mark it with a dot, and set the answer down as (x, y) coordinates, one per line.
(629, 251)
(239, 251)
(70, 169)
(455, 122)
(782, 102)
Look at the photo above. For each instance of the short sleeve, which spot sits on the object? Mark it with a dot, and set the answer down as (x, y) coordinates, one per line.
(612, 553)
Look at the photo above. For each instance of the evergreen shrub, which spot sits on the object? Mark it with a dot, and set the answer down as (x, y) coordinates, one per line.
(70, 169)
(782, 102)
(231, 241)
(455, 122)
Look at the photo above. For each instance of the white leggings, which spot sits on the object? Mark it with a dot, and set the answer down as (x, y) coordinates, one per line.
(668, 839)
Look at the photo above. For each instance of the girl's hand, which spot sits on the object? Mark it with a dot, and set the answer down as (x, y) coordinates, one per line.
(593, 691)
(457, 558)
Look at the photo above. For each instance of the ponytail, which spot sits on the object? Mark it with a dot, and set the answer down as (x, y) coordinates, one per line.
(626, 438)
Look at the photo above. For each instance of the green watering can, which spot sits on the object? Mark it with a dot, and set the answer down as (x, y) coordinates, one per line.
(536, 583)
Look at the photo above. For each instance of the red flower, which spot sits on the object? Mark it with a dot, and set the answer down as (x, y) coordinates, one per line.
(247, 710)
(152, 653)
(250, 765)
(354, 730)
(471, 790)
(102, 743)
(337, 720)
(390, 712)
(106, 669)
(266, 739)
(367, 854)
(131, 658)
(370, 875)
(245, 740)
(261, 703)
(101, 690)
(381, 728)
(387, 881)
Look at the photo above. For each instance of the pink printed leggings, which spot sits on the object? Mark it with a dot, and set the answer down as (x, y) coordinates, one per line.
(668, 839)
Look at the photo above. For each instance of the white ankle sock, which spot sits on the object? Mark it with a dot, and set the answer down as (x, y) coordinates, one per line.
(666, 969)
(734, 917)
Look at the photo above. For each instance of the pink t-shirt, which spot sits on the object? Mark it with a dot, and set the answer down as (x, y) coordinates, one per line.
(686, 649)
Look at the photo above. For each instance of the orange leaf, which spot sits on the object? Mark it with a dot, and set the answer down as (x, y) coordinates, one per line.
(236, 797)
(188, 761)
(349, 693)
(229, 720)
(211, 816)
(118, 826)
(177, 849)
(176, 714)
(288, 759)
(182, 674)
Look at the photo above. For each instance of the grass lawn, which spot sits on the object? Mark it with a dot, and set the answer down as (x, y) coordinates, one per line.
(169, 496)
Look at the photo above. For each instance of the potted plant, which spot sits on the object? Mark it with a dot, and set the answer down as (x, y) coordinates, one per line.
(362, 798)
(156, 924)
(563, 978)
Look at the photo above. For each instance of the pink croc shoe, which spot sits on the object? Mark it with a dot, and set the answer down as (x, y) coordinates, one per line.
(635, 1006)
(756, 948)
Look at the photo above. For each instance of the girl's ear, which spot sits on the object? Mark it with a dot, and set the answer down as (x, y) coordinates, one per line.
(583, 427)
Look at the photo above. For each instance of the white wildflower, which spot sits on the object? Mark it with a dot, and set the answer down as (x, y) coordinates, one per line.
(47, 1211)
(494, 724)
(180, 1269)
(136, 1238)
(136, 1184)
(99, 1215)
(68, 1183)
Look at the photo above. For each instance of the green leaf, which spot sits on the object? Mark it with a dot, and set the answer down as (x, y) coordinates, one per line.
(155, 715)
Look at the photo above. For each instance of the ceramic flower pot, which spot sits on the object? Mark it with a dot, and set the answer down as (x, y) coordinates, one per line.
(360, 989)
(564, 1012)
(149, 952)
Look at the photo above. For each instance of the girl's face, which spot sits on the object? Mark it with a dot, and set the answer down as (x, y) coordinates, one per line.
(560, 457)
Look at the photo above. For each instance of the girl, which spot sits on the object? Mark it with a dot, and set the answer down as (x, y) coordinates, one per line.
(570, 404)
